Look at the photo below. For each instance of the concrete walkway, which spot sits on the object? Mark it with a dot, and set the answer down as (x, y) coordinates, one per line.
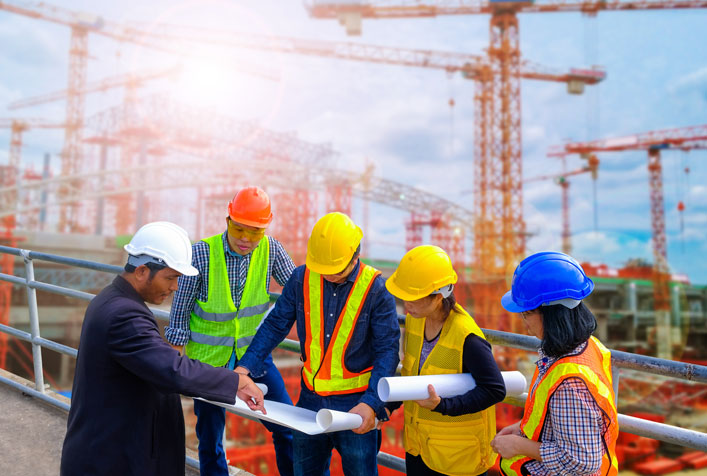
(32, 433)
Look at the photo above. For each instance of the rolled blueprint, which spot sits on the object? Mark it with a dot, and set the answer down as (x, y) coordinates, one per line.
(263, 388)
(300, 419)
(397, 389)
(332, 420)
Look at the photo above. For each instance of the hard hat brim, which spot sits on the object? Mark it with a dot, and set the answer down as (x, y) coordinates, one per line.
(253, 223)
(323, 268)
(510, 305)
(399, 293)
(186, 270)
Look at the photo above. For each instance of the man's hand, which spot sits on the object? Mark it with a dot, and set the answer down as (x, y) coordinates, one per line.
(250, 394)
(242, 370)
(178, 348)
(431, 402)
(368, 416)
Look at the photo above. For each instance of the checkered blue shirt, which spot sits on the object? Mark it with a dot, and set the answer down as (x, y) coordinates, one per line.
(191, 288)
(571, 441)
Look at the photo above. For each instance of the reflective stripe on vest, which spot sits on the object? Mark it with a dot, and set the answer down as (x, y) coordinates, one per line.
(324, 370)
(452, 445)
(217, 326)
(593, 366)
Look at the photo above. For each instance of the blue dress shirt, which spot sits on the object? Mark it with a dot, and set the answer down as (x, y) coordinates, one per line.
(374, 343)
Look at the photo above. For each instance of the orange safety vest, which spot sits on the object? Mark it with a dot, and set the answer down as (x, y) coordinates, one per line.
(324, 371)
(593, 366)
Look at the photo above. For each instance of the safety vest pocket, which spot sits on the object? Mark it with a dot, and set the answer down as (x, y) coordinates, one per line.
(453, 455)
(408, 362)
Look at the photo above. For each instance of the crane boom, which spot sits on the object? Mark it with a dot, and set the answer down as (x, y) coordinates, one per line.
(421, 9)
(682, 138)
(470, 65)
(130, 79)
(686, 138)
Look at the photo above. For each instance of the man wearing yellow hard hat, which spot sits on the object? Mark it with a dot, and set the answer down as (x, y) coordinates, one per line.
(349, 333)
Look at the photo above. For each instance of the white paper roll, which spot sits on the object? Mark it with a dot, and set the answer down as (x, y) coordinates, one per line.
(300, 419)
(332, 420)
(263, 388)
(397, 389)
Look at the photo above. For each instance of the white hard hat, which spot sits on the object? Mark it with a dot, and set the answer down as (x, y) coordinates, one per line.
(167, 242)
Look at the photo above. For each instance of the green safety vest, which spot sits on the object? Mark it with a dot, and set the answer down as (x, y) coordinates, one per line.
(217, 325)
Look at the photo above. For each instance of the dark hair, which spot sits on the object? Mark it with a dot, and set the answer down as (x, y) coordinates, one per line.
(153, 267)
(448, 303)
(564, 329)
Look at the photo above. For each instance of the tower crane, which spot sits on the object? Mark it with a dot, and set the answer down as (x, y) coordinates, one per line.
(81, 24)
(687, 138)
(131, 82)
(561, 179)
(498, 153)
(9, 177)
(474, 67)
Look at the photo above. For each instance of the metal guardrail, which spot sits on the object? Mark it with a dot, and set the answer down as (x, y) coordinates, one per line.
(625, 360)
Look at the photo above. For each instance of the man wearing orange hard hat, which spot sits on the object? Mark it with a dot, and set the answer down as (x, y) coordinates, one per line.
(215, 316)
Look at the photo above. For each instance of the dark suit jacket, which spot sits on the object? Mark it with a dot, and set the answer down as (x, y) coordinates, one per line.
(125, 417)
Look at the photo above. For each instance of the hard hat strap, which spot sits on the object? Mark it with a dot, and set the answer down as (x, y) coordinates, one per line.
(445, 291)
(144, 259)
(567, 302)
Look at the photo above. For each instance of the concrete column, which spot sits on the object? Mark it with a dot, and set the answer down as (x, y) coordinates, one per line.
(631, 304)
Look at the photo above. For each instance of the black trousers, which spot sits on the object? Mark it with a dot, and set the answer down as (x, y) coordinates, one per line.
(414, 466)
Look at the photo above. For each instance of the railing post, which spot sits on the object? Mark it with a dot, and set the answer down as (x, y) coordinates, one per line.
(33, 322)
(615, 382)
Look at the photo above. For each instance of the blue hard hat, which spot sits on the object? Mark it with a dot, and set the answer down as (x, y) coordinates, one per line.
(546, 278)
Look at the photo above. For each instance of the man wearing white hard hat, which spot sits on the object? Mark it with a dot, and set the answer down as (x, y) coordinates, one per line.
(126, 415)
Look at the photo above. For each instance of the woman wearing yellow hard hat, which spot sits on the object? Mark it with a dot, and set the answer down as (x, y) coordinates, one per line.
(448, 436)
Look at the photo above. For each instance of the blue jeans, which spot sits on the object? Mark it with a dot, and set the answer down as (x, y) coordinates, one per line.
(358, 453)
(211, 422)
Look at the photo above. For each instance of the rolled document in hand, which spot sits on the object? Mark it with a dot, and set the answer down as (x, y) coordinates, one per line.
(332, 420)
(398, 389)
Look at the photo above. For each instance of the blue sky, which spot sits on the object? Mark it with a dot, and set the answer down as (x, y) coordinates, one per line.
(399, 118)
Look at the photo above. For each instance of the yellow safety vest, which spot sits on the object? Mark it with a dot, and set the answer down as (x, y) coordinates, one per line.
(454, 445)
(217, 325)
(324, 371)
(593, 366)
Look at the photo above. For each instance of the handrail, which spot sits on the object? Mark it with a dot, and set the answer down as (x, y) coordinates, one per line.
(620, 359)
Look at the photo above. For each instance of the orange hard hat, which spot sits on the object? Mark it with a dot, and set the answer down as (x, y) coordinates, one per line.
(251, 207)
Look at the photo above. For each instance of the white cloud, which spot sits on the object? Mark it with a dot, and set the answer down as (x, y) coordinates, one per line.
(694, 80)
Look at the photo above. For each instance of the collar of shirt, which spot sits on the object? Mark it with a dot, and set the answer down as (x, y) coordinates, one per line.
(352, 276)
(349, 279)
(228, 249)
(546, 361)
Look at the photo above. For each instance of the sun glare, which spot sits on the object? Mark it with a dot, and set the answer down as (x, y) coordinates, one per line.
(206, 82)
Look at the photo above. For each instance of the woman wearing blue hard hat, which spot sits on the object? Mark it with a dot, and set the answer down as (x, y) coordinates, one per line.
(569, 424)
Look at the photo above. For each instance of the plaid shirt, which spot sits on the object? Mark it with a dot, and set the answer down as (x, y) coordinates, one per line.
(571, 441)
(191, 288)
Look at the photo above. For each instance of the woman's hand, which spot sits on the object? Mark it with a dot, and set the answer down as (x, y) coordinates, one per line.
(431, 402)
(513, 429)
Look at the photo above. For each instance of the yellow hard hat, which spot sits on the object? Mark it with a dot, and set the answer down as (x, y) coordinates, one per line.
(422, 271)
(332, 244)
